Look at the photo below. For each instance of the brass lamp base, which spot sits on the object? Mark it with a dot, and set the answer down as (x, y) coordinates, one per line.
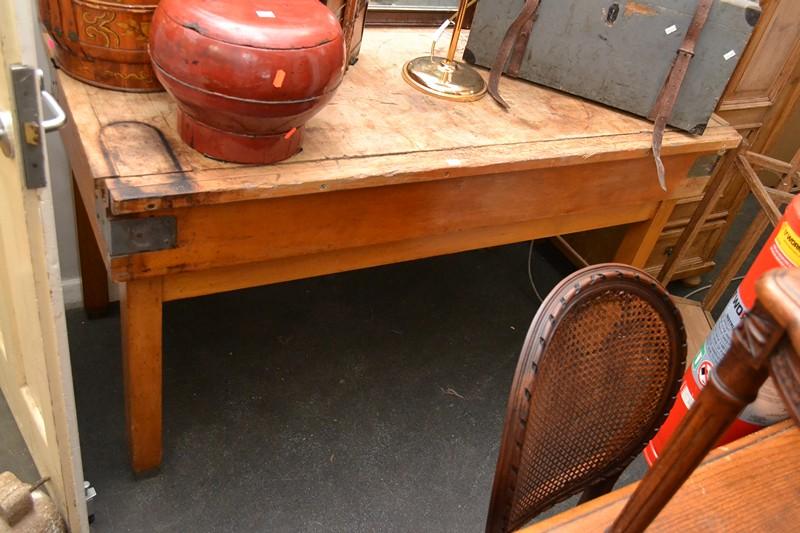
(450, 80)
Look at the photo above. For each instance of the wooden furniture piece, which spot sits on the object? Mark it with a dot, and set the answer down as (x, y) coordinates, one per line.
(102, 42)
(406, 16)
(387, 175)
(697, 322)
(760, 98)
(352, 15)
(598, 373)
(766, 343)
(769, 199)
(748, 485)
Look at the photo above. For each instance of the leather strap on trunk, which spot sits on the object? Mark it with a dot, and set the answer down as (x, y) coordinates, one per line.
(521, 26)
(662, 111)
(516, 41)
(518, 54)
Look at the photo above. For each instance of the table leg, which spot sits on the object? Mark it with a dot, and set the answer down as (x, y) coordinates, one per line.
(141, 313)
(94, 277)
(641, 237)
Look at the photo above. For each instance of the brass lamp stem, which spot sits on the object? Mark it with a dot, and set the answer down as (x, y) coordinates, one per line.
(462, 12)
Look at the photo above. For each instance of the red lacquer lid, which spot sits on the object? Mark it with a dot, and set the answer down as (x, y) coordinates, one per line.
(273, 24)
(269, 50)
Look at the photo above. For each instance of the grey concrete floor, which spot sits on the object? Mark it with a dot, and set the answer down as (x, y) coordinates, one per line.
(364, 401)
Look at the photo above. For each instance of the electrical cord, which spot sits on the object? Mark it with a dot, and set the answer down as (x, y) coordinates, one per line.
(706, 287)
(539, 296)
(530, 273)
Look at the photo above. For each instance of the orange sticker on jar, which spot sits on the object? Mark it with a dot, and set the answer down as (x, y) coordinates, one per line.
(279, 77)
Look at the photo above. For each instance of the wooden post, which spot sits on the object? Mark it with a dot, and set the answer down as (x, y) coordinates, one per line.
(94, 277)
(141, 315)
(758, 190)
(749, 240)
(719, 182)
(641, 238)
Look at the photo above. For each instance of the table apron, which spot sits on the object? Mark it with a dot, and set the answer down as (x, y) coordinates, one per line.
(418, 219)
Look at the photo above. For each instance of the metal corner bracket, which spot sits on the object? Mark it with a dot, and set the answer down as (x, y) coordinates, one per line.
(126, 236)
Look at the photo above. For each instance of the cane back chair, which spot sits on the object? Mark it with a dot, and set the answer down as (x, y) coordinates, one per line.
(597, 375)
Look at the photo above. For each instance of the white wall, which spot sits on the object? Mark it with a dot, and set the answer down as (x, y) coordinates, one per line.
(65, 221)
(60, 179)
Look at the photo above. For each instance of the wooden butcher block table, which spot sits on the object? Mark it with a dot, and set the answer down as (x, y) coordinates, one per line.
(387, 174)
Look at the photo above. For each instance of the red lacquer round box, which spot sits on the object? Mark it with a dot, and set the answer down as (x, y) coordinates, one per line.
(248, 75)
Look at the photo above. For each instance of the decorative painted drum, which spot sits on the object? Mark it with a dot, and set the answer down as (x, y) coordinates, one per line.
(103, 42)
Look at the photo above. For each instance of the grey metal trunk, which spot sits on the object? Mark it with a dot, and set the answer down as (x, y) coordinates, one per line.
(619, 53)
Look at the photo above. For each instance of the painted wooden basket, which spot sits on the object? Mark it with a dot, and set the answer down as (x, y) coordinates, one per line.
(103, 42)
(352, 15)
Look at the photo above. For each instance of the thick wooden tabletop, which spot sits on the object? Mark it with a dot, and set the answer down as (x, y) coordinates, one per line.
(376, 131)
(750, 485)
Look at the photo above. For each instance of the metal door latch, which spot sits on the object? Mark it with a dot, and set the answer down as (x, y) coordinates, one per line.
(27, 83)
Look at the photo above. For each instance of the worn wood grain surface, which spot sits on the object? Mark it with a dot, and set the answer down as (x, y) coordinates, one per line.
(749, 485)
(698, 324)
(376, 131)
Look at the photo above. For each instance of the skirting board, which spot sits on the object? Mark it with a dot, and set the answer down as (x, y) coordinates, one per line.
(73, 298)
(73, 294)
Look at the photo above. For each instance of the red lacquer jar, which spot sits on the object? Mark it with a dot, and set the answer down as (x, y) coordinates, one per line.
(247, 76)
